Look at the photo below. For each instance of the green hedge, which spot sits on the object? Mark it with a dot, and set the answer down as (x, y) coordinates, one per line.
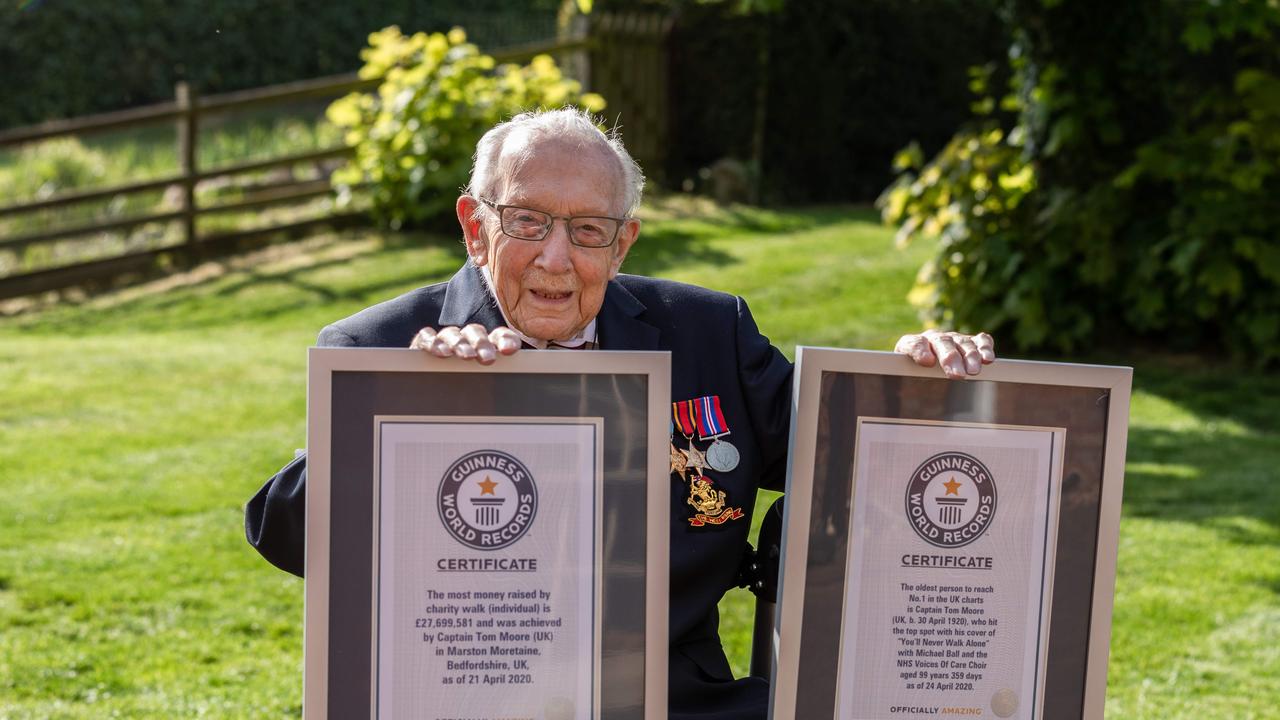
(1123, 190)
(63, 58)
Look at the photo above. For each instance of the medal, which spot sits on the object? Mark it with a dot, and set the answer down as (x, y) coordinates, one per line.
(703, 416)
(721, 455)
(679, 462)
(695, 459)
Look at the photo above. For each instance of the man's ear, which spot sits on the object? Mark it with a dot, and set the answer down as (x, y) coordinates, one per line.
(472, 229)
(626, 238)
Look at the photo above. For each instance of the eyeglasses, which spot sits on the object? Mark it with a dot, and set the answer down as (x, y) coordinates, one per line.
(528, 224)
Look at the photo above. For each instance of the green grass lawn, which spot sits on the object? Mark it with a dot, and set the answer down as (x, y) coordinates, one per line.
(134, 427)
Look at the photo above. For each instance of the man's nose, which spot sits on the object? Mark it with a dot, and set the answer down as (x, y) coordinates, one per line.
(556, 248)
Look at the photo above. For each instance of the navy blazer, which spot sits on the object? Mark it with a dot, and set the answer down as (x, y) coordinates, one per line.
(716, 349)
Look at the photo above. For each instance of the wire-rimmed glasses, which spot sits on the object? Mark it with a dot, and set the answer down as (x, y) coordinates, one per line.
(521, 223)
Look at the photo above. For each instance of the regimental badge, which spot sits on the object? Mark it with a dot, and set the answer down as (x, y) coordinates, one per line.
(709, 504)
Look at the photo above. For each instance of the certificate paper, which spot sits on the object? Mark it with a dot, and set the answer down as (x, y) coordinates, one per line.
(487, 568)
(949, 570)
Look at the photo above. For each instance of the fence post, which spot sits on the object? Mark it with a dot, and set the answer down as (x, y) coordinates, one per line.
(187, 127)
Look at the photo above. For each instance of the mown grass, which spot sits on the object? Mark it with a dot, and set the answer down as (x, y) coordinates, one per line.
(134, 427)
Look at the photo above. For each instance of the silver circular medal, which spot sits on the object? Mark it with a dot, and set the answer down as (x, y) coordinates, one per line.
(722, 456)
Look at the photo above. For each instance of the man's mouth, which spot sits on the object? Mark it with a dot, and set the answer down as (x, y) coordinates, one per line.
(552, 294)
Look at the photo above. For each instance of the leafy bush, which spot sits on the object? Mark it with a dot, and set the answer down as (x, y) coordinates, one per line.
(1124, 188)
(415, 135)
(39, 171)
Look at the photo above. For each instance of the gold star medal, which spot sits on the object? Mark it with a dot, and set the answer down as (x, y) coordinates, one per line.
(679, 462)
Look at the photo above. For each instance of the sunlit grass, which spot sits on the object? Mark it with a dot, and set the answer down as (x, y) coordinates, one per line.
(134, 427)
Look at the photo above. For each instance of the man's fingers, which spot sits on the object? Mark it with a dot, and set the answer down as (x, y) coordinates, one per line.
(958, 354)
(972, 358)
(475, 336)
(472, 342)
(505, 340)
(986, 347)
(949, 356)
(449, 343)
(917, 346)
(423, 340)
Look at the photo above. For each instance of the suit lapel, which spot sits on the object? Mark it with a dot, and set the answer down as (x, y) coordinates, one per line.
(467, 300)
(619, 325)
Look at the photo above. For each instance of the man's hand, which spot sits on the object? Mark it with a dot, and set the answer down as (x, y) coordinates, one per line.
(472, 342)
(957, 353)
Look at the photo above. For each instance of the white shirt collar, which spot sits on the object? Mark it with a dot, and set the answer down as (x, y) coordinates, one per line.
(586, 335)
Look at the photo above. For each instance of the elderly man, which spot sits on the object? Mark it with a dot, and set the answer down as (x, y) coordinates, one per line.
(547, 222)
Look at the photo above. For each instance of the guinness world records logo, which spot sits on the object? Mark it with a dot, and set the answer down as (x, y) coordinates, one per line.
(487, 500)
(951, 499)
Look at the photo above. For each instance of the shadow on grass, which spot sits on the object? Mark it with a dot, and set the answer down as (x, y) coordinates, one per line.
(682, 233)
(1220, 470)
(661, 248)
(297, 277)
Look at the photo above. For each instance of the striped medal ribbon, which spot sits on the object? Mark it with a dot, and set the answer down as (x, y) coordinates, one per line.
(722, 455)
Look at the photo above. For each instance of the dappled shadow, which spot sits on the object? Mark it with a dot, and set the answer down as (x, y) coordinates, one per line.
(665, 247)
(213, 294)
(683, 233)
(1215, 390)
(677, 233)
(1220, 471)
(299, 277)
(1197, 476)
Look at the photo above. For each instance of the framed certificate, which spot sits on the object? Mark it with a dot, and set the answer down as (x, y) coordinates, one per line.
(961, 535)
(486, 542)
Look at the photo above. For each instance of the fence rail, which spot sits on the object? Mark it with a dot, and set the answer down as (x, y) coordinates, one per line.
(187, 110)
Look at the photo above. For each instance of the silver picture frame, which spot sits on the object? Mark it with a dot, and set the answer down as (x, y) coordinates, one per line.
(624, 396)
(1080, 411)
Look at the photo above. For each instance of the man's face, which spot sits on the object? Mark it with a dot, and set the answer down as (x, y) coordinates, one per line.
(551, 289)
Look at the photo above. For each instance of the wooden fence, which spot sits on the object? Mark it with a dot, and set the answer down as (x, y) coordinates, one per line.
(621, 56)
(188, 111)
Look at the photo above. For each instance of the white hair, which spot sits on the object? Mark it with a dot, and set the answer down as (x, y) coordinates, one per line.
(488, 180)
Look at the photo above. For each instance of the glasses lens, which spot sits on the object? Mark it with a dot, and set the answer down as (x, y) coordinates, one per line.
(593, 231)
(524, 223)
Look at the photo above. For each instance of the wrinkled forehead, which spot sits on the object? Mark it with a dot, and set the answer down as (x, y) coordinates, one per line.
(573, 162)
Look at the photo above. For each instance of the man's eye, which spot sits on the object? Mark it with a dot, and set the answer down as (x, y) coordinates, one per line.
(528, 218)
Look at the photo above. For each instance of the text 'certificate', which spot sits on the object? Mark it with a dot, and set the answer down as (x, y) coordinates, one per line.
(487, 582)
(952, 539)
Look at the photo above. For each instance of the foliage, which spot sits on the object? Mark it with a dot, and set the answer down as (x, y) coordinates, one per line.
(415, 135)
(55, 166)
(58, 59)
(1125, 186)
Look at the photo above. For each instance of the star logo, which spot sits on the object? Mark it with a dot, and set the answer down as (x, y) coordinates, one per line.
(950, 499)
(487, 499)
